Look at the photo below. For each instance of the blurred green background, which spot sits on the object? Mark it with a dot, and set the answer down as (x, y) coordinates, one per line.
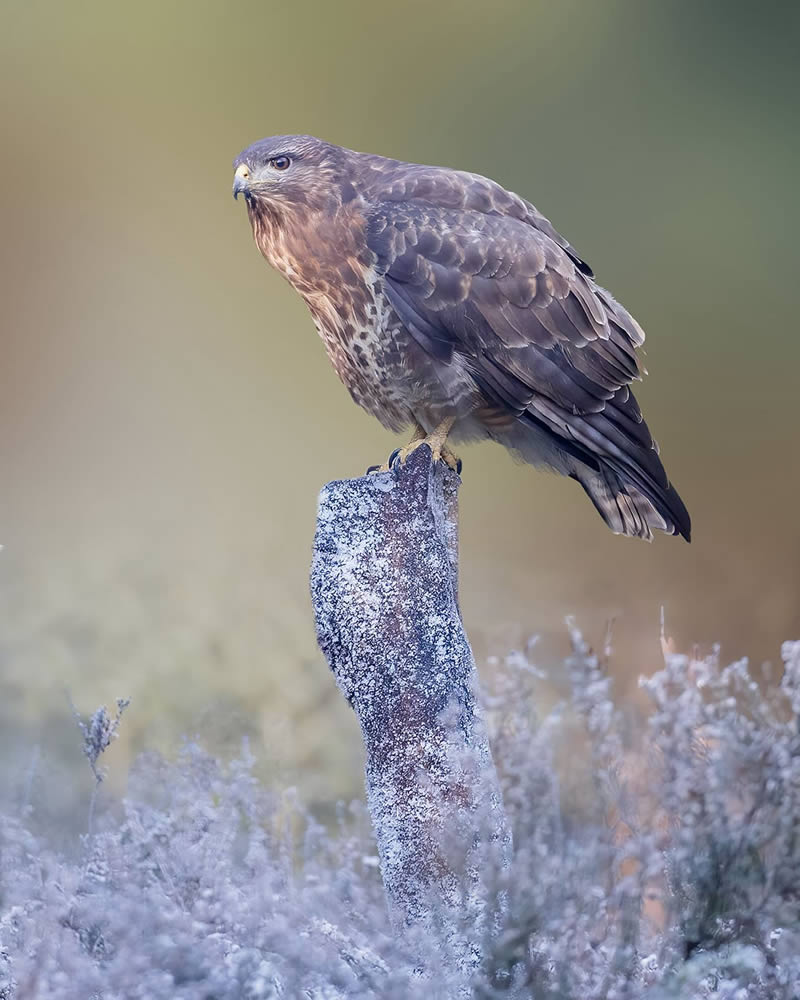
(168, 415)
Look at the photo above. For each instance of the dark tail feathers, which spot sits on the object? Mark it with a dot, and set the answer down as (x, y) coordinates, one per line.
(634, 508)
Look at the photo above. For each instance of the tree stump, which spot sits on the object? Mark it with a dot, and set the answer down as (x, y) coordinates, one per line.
(384, 583)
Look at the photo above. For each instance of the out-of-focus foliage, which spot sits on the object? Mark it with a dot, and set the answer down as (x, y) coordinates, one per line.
(661, 862)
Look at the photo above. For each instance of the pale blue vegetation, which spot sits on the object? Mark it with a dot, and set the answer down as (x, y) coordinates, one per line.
(652, 859)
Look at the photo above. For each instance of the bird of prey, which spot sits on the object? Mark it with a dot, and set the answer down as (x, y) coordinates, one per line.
(452, 305)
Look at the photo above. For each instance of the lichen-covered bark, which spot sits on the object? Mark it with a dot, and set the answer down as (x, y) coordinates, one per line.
(384, 587)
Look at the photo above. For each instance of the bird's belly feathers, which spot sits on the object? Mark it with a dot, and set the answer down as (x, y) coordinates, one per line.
(385, 369)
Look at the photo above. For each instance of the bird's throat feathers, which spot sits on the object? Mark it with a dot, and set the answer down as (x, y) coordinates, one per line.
(304, 244)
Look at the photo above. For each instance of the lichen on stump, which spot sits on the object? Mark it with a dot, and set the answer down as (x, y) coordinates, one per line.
(384, 583)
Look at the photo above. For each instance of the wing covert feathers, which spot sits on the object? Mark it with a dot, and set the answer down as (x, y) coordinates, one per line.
(541, 340)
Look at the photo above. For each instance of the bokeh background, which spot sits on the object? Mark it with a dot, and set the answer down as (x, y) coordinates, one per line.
(168, 415)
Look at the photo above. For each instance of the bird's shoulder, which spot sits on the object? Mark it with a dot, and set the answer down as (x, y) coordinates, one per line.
(393, 189)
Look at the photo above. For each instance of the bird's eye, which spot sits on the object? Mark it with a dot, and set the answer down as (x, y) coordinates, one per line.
(280, 162)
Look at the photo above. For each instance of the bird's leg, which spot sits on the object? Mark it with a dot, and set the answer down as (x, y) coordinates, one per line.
(436, 441)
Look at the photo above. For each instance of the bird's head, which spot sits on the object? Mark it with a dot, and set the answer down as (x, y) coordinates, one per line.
(287, 172)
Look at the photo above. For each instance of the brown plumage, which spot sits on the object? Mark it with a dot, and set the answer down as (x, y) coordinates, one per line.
(441, 296)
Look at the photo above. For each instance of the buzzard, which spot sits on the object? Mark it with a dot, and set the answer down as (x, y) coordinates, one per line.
(450, 304)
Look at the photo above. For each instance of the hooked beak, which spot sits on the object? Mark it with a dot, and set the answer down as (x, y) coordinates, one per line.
(241, 180)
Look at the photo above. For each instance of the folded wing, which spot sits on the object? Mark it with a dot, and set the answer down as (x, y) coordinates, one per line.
(541, 339)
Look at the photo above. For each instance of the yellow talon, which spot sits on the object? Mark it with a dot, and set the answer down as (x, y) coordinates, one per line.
(436, 441)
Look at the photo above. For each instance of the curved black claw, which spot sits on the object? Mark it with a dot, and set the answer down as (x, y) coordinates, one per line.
(371, 469)
(393, 457)
(459, 466)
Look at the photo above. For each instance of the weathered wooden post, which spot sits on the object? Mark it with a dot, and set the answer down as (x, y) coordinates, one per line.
(384, 583)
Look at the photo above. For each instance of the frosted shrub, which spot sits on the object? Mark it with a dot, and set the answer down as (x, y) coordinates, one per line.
(652, 858)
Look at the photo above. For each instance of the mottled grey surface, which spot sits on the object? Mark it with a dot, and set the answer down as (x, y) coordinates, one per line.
(384, 587)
